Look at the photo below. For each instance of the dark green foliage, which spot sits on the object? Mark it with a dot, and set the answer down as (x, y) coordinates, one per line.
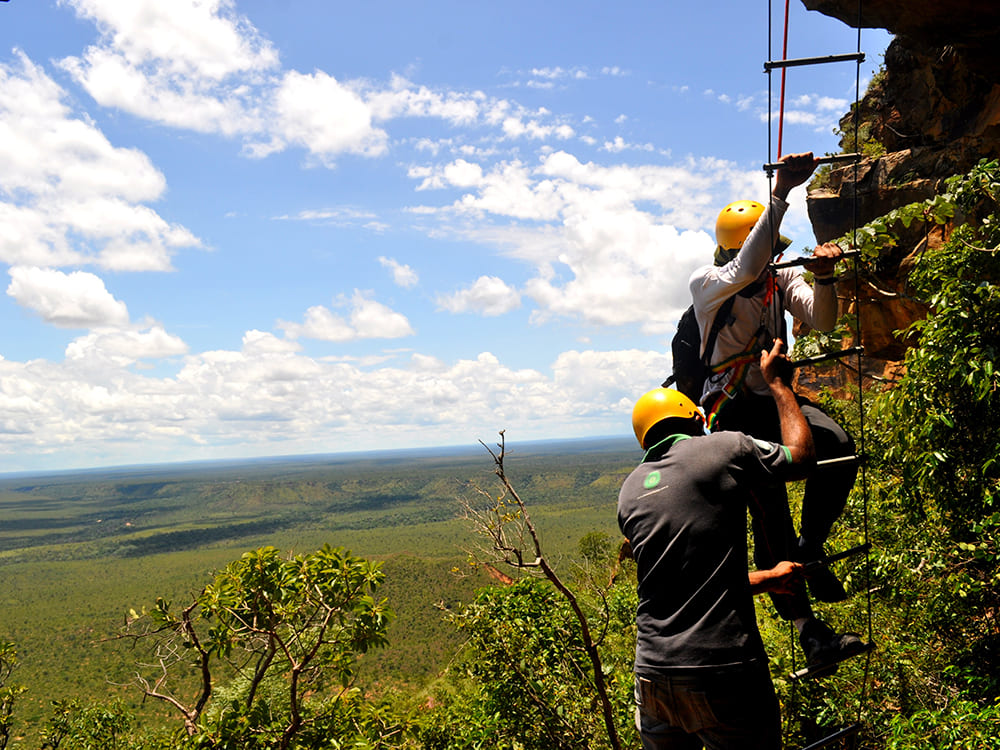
(523, 681)
(9, 691)
(597, 547)
(290, 630)
(932, 480)
(110, 726)
(963, 725)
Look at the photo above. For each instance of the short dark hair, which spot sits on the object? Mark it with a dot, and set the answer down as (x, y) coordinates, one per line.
(673, 426)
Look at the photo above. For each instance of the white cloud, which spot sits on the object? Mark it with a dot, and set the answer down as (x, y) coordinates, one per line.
(340, 216)
(463, 174)
(203, 37)
(372, 319)
(488, 296)
(184, 64)
(404, 99)
(619, 144)
(124, 347)
(200, 65)
(610, 245)
(73, 197)
(402, 274)
(818, 113)
(533, 129)
(319, 113)
(113, 81)
(556, 72)
(368, 319)
(73, 300)
(267, 399)
(263, 342)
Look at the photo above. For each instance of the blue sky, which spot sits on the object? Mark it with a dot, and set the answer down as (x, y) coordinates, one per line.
(236, 229)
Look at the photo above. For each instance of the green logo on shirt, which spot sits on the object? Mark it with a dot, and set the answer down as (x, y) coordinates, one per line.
(652, 479)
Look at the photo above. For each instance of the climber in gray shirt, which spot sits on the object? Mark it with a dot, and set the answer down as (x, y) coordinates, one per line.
(701, 670)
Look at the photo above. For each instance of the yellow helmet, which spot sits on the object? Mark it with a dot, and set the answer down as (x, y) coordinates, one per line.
(658, 404)
(735, 222)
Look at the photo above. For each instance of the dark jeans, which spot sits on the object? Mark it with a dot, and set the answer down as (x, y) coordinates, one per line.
(731, 709)
(825, 492)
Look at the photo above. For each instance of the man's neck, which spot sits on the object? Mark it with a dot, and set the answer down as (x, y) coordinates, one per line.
(660, 449)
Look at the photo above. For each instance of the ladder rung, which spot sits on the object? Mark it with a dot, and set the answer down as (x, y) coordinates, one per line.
(810, 258)
(834, 159)
(859, 550)
(823, 670)
(794, 63)
(828, 356)
(841, 460)
(848, 731)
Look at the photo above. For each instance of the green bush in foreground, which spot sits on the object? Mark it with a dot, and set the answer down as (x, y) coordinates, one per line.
(282, 635)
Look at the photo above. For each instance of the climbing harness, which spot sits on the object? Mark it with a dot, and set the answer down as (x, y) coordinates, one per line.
(852, 731)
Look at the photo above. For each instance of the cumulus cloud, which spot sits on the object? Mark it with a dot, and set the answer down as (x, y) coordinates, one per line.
(123, 347)
(488, 296)
(113, 81)
(610, 245)
(298, 404)
(205, 37)
(367, 319)
(203, 66)
(318, 112)
(174, 63)
(402, 274)
(73, 300)
(73, 197)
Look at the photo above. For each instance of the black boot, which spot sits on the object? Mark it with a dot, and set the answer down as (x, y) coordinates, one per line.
(823, 584)
(822, 645)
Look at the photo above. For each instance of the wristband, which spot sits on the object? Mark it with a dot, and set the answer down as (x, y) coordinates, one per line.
(826, 280)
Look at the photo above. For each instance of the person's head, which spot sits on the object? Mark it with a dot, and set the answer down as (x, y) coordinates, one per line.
(662, 412)
(733, 227)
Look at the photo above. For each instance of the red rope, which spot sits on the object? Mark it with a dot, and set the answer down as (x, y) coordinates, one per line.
(781, 105)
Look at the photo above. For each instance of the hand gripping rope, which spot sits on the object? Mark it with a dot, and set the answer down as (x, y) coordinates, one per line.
(850, 732)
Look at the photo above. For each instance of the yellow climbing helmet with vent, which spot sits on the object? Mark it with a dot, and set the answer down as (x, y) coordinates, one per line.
(658, 404)
(735, 222)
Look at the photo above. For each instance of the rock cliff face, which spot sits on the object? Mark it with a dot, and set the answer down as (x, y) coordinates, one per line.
(933, 111)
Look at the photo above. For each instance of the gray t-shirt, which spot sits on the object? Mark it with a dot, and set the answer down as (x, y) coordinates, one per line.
(684, 513)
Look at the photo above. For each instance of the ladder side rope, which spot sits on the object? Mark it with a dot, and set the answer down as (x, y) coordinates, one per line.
(861, 408)
(858, 58)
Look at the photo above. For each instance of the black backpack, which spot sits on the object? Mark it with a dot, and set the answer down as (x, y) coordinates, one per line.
(690, 368)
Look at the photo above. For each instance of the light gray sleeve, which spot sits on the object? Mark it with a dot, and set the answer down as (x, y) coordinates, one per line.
(710, 286)
(816, 306)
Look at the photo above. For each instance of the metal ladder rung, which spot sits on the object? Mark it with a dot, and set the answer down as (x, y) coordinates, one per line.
(853, 157)
(848, 731)
(823, 670)
(855, 459)
(810, 258)
(839, 354)
(859, 550)
(797, 62)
